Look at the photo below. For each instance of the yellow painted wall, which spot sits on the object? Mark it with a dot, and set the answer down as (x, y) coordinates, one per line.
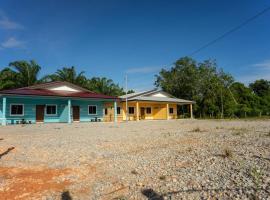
(158, 111)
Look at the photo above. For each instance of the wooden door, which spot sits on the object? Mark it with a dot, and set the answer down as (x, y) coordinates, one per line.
(142, 113)
(40, 113)
(76, 113)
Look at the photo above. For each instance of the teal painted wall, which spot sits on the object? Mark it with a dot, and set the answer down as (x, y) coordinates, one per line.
(62, 109)
(84, 117)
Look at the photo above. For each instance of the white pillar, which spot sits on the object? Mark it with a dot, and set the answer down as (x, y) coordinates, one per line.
(4, 120)
(115, 111)
(69, 111)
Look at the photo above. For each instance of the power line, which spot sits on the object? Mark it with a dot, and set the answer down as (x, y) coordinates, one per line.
(230, 31)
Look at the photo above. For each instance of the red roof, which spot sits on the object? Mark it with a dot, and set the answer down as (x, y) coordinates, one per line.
(27, 91)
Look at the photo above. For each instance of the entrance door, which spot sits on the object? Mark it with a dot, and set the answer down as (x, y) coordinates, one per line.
(76, 113)
(142, 113)
(40, 113)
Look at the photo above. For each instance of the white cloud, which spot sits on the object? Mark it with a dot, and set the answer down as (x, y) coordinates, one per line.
(265, 64)
(6, 23)
(12, 43)
(142, 70)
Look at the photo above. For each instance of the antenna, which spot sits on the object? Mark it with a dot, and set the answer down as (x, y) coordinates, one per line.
(126, 100)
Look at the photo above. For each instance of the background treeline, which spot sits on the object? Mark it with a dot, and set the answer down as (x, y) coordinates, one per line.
(23, 73)
(216, 93)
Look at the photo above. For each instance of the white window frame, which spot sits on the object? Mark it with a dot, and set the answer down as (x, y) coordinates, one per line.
(92, 113)
(16, 104)
(55, 110)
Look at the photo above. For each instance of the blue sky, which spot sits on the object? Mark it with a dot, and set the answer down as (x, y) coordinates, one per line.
(114, 37)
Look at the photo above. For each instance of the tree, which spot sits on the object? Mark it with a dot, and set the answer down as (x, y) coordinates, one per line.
(26, 73)
(260, 87)
(201, 82)
(8, 79)
(67, 74)
(104, 86)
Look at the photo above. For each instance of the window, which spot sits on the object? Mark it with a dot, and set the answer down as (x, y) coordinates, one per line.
(148, 110)
(118, 110)
(131, 110)
(171, 110)
(92, 110)
(16, 109)
(106, 111)
(51, 110)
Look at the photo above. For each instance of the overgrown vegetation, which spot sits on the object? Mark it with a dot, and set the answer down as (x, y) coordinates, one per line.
(216, 93)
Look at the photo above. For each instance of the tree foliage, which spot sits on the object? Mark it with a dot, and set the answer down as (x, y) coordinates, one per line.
(215, 92)
(23, 73)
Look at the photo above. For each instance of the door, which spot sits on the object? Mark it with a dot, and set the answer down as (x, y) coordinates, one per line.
(142, 113)
(76, 113)
(40, 113)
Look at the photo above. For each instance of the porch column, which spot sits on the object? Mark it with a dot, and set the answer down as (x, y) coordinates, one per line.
(168, 111)
(137, 110)
(4, 120)
(191, 111)
(115, 111)
(69, 111)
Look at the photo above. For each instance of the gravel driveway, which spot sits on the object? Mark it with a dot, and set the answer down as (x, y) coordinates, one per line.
(177, 159)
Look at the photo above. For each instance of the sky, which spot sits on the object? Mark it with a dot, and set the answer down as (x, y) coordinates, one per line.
(113, 38)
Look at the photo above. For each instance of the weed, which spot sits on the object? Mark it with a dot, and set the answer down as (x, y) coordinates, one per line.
(162, 177)
(256, 175)
(189, 149)
(134, 172)
(227, 153)
(197, 130)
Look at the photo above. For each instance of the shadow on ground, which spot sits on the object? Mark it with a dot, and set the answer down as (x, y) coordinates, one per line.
(6, 152)
(151, 194)
(66, 196)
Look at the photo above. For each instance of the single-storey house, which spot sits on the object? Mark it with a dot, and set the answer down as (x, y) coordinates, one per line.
(52, 102)
(153, 104)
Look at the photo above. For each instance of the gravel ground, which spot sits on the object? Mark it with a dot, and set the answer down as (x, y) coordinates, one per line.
(177, 159)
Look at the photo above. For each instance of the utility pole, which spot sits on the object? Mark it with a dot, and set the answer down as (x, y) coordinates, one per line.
(222, 108)
(126, 100)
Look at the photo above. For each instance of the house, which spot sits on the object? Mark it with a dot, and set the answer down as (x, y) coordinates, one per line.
(153, 104)
(52, 102)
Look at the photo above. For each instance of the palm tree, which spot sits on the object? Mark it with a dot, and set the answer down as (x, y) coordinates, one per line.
(104, 86)
(19, 74)
(68, 74)
(8, 79)
(26, 72)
